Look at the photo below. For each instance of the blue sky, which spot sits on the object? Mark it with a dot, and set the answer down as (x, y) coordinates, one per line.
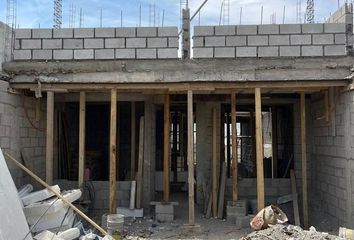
(32, 13)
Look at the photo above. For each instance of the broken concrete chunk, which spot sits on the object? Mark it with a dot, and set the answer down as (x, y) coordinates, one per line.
(25, 190)
(39, 195)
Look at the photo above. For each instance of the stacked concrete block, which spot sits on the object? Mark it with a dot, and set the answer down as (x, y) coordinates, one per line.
(96, 43)
(273, 40)
(164, 212)
(237, 213)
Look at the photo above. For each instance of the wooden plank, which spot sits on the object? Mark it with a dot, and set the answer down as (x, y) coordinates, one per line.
(82, 127)
(294, 198)
(234, 148)
(253, 141)
(259, 150)
(132, 141)
(113, 153)
(166, 149)
(132, 195)
(190, 155)
(304, 159)
(222, 191)
(274, 143)
(140, 163)
(214, 188)
(50, 137)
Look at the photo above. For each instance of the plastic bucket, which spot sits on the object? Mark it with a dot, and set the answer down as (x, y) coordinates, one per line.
(115, 225)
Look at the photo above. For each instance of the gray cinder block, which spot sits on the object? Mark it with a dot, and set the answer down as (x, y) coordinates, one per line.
(73, 43)
(257, 40)
(31, 43)
(126, 32)
(104, 53)
(268, 29)
(203, 30)
(135, 42)
(290, 28)
(105, 32)
(198, 41)
(52, 44)
(225, 30)
(334, 28)
(202, 52)
(167, 53)
(146, 32)
(214, 41)
(42, 33)
(322, 39)
(63, 33)
(312, 28)
(246, 52)
(114, 43)
(279, 40)
(146, 53)
(173, 42)
(289, 51)
(246, 30)
(268, 51)
(167, 32)
(42, 54)
(93, 43)
(340, 38)
(300, 39)
(84, 32)
(157, 42)
(236, 40)
(23, 33)
(224, 52)
(63, 54)
(335, 50)
(125, 53)
(22, 55)
(83, 54)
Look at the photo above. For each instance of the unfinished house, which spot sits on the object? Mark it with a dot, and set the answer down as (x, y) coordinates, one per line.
(228, 126)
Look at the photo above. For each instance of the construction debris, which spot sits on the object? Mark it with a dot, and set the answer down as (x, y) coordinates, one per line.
(289, 232)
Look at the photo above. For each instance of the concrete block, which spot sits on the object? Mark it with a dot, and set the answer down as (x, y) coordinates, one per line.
(312, 28)
(157, 42)
(246, 52)
(17, 44)
(198, 41)
(52, 44)
(340, 38)
(164, 217)
(167, 32)
(126, 32)
(290, 28)
(73, 43)
(84, 32)
(167, 53)
(146, 32)
(104, 53)
(83, 54)
(322, 39)
(203, 52)
(236, 41)
(173, 42)
(114, 43)
(135, 42)
(275, 40)
(42, 33)
(237, 208)
(23, 33)
(63, 54)
(214, 41)
(42, 54)
(334, 28)
(203, 30)
(243, 222)
(224, 52)
(225, 30)
(105, 32)
(147, 53)
(164, 209)
(268, 29)
(268, 51)
(93, 43)
(137, 213)
(31, 44)
(257, 40)
(300, 39)
(335, 50)
(125, 53)
(291, 51)
(63, 33)
(22, 54)
(246, 30)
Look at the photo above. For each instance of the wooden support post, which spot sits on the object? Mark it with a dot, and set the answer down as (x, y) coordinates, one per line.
(234, 147)
(190, 157)
(303, 159)
(166, 150)
(214, 187)
(113, 153)
(82, 115)
(274, 143)
(140, 163)
(259, 150)
(253, 141)
(49, 137)
(132, 141)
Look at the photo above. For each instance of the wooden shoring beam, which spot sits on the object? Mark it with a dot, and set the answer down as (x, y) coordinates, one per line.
(259, 150)
(166, 149)
(214, 185)
(113, 153)
(82, 127)
(190, 157)
(304, 159)
(274, 143)
(50, 137)
(132, 141)
(234, 148)
(140, 162)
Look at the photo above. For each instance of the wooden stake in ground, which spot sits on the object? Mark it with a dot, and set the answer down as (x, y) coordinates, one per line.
(49, 137)
(166, 149)
(132, 142)
(56, 194)
(222, 191)
(190, 157)
(234, 147)
(214, 188)
(113, 153)
(140, 163)
(82, 115)
(294, 197)
(259, 150)
(304, 159)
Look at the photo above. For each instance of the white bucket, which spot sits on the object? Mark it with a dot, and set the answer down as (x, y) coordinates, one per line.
(115, 225)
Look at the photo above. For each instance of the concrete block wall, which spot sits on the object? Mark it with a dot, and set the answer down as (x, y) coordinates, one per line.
(284, 40)
(96, 43)
(17, 134)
